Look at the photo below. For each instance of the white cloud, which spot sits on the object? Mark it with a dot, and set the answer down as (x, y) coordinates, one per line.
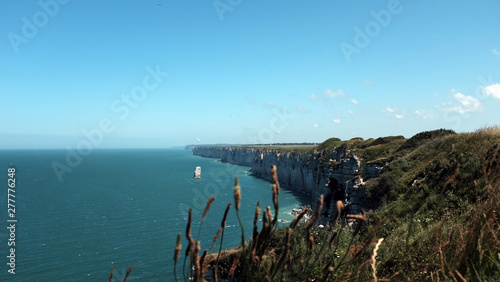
(495, 52)
(354, 101)
(315, 125)
(350, 112)
(492, 90)
(337, 121)
(334, 94)
(467, 104)
(313, 97)
(425, 114)
(395, 112)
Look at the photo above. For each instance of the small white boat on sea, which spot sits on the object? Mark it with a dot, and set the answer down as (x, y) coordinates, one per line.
(197, 172)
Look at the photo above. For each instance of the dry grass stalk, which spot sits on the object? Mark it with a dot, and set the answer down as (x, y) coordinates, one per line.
(111, 273)
(276, 192)
(196, 262)
(311, 242)
(257, 214)
(340, 207)
(287, 247)
(460, 276)
(128, 273)
(223, 222)
(215, 238)
(222, 226)
(237, 193)
(178, 247)
(275, 197)
(319, 207)
(236, 261)
(297, 219)
(274, 175)
(269, 217)
(330, 243)
(188, 232)
(209, 203)
(214, 273)
(374, 258)
(202, 263)
(358, 217)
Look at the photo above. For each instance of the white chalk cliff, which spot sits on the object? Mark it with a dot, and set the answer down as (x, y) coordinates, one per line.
(336, 174)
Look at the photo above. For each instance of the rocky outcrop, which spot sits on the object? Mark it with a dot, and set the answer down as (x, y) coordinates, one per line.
(336, 174)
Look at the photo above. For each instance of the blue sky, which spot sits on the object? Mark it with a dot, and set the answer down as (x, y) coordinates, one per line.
(155, 74)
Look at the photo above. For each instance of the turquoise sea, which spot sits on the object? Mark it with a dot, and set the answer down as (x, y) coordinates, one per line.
(119, 207)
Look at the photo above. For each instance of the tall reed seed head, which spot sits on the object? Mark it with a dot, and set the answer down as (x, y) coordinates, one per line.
(215, 238)
(224, 218)
(178, 247)
(269, 214)
(340, 207)
(128, 272)
(274, 175)
(209, 203)
(188, 226)
(360, 218)
(237, 193)
(111, 273)
(275, 196)
(257, 213)
(311, 241)
(319, 207)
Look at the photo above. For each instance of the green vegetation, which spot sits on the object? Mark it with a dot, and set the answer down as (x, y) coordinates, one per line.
(369, 150)
(299, 149)
(434, 217)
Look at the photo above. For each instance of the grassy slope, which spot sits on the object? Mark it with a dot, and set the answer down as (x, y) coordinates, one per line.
(437, 210)
(440, 195)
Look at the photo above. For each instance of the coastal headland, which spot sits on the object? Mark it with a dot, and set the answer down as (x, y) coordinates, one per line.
(423, 208)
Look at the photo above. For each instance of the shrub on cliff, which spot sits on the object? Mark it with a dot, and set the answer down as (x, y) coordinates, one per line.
(423, 137)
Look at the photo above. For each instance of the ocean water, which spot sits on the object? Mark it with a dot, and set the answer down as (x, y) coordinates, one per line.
(118, 208)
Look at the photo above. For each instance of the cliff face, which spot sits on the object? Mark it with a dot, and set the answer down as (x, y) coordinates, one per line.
(336, 175)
